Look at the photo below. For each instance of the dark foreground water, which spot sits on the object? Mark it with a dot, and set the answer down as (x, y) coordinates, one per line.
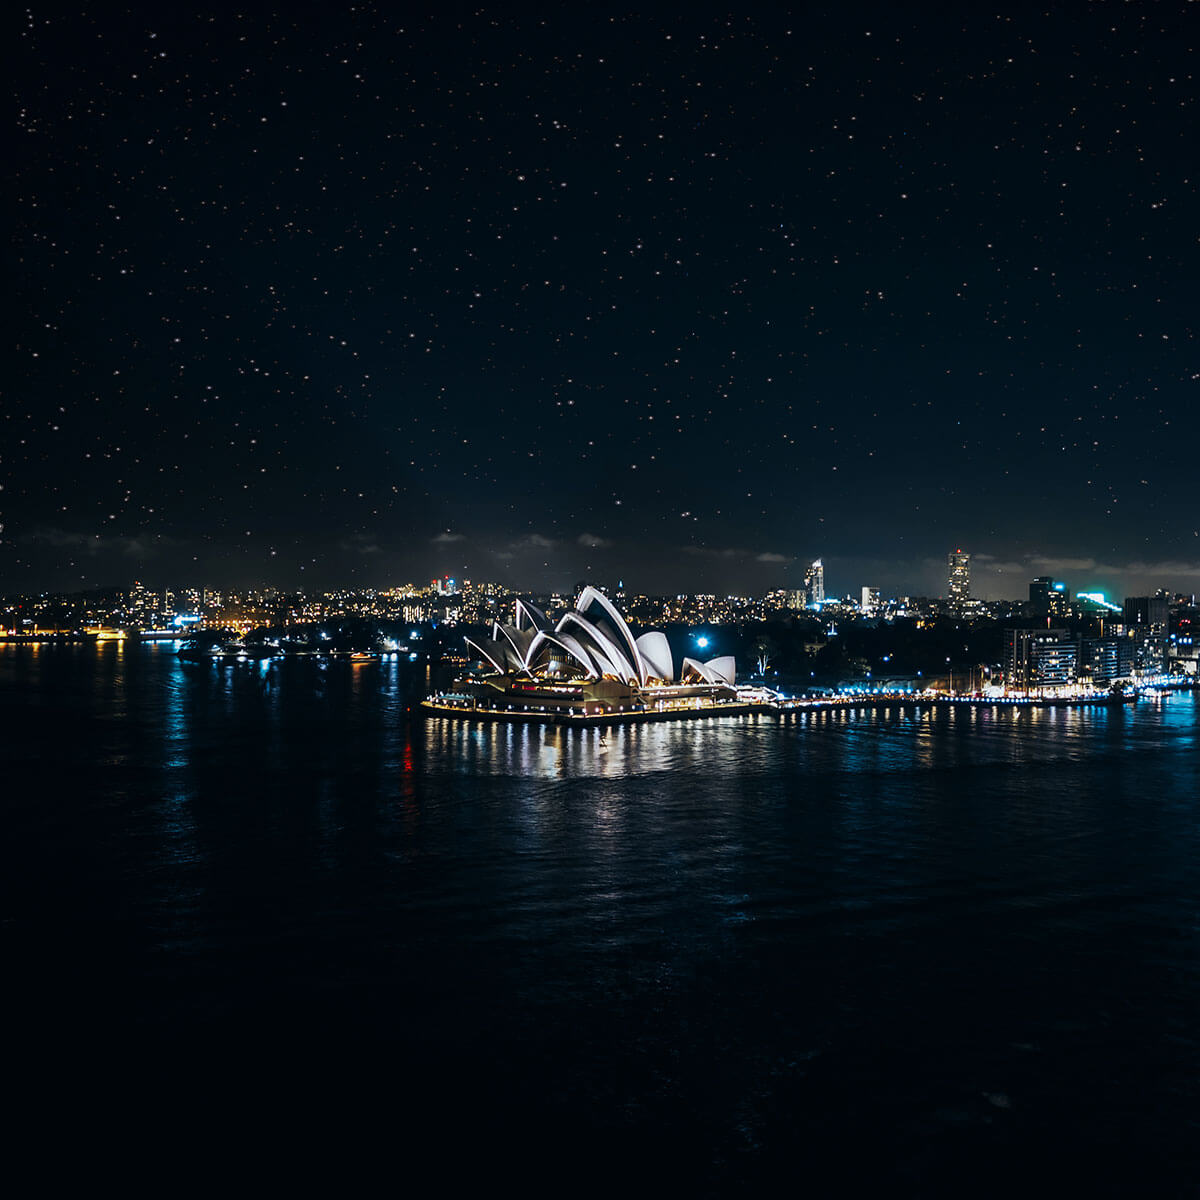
(267, 925)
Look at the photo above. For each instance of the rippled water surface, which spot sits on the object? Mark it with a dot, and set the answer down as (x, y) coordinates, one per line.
(272, 910)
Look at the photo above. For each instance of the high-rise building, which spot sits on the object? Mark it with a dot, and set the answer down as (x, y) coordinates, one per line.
(870, 601)
(1149, 650)
(140, 605)
(1049, 597)
(814, 584)
(1039, 595)
(959, 578)
(1104, 660)
(1146, 610)
(1040, 658)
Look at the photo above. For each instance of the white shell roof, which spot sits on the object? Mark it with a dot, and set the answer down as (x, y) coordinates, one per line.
(599, 641)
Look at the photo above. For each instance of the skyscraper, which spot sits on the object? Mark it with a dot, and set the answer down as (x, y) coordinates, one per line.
(1049, 597)
(1039, 595)
(959, 583)
(814, 584)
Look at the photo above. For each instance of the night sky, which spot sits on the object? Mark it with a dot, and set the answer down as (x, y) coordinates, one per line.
(353, 295)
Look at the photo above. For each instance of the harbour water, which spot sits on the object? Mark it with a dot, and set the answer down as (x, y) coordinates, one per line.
(270, 913)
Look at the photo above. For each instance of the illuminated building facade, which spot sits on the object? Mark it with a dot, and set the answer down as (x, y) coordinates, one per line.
(1104, 660)
(587, 664)
(1049, 597)
(1054, 658)
(814, 584)
(1037, 658)
(958, 584)
(1149, 650)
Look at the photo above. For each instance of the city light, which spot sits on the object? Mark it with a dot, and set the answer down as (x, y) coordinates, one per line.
(1099, 598)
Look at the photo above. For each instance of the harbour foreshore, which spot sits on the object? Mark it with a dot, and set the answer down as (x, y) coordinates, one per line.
(460, 707)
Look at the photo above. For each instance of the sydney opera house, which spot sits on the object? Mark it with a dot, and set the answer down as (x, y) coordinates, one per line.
(587, 665)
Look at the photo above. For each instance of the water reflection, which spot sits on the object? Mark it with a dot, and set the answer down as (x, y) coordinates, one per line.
(812, 923)
(547, 751)
(334, 770)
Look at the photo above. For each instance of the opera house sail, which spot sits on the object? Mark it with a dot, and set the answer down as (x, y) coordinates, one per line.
(587, 666)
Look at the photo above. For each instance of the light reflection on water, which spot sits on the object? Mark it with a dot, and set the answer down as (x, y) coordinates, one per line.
(543, 751)
(780, 905)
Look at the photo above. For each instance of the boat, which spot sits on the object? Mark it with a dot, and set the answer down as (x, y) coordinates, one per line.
(203, 651)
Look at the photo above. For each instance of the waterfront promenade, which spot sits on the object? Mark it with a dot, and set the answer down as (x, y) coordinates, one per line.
(461, 707)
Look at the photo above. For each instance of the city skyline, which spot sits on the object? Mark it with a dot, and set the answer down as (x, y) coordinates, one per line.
(1042, 596)
(1057, 638)
(335, 296)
